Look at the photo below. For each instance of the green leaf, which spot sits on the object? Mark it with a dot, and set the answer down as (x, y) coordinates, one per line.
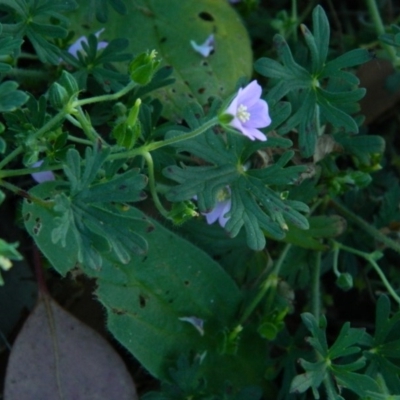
(31, 21)
(320, 227)
(196, 78)
(81, 215)
(10, 97)
(358, 383)
(350, 59)
(173, 281)
(304, 85)
(255, 205)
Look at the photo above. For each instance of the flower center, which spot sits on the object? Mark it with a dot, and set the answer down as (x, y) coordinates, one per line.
(223, 195)
(242, 113)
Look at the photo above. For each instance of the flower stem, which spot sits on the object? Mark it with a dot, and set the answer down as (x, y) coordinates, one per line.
(186, 136)
(271, 282)
(105, 97)
(380, 28)
(7, 173)
(23, 193)
(365, 226)
(86, 126)
(49, 124)
(152, 184)
(315, 286)
(370, 257)
(11, 156)
(162, 143)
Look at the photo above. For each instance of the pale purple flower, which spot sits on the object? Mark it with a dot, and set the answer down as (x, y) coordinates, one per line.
(234, 1)
(206, 48)
(249, 112)
(42, 176)
(76, 47)
(222, 207)
(198, 323)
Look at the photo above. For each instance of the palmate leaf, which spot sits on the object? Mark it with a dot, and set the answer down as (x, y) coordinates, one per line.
(32, 20)
(384, 346)
(308, 84)
(83, 216)
(96, 62)
(329, 360)
(255, 204)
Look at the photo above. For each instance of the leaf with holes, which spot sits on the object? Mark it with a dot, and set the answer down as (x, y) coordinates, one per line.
(176, 300)
(151, 24)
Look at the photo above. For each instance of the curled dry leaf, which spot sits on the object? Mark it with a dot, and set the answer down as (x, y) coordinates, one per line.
(56, 357)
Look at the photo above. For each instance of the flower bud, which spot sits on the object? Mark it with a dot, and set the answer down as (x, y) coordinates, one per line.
(143, 67)
(69, 83)
(58, 96)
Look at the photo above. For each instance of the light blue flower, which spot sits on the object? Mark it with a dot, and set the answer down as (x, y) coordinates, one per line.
(222, 207)
(42, 176)
(249, 112)
(76, 47)
(206, 48)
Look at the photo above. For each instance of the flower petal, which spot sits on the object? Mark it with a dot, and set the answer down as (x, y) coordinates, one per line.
(222, 219)
(250, 94)
(259, 115)
(206, 48)
(42, 176)
(215, 213)
(253, 134)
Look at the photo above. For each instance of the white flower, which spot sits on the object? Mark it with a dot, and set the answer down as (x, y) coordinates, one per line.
(206, 48)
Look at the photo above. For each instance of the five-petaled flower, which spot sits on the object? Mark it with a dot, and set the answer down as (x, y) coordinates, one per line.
(222, 207)
(249, 112)
(42, 176)
(206, 48)
(77, 47)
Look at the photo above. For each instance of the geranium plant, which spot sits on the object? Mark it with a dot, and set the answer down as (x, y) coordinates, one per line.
(221, 206)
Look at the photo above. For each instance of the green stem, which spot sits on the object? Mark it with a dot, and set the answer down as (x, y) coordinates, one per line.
(32, 74)
(90, 132)
(152, 184)
(370, 258)
(11, 156)
(20, 192)
(105, 97)
(294, 19)
(315, 286)
(371, 230)
(162, 143)
(380, 28)
(49, 124)
(336, 260)
(271, 282)
(79, 140)
(186, 136)
(7, 173)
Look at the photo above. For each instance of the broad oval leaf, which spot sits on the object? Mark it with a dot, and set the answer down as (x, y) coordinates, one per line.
(168, 27)
(57, 357)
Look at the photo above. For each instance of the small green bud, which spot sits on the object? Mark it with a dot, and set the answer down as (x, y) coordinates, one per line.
(182, 212)
(58, 96)
(344, 281)
(69, 83)
(119, 109)
(143, 67)
(225, 119)
(134, 113)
